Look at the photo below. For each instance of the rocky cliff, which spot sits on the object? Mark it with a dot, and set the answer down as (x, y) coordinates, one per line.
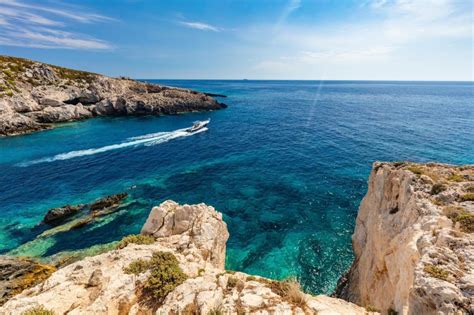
(413, 241)
(176, 266)
(35, 95)
(413, 245)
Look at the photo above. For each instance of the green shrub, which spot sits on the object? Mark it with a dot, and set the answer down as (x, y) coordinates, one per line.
(231, 283)
(437, 188)
(467, 197)
(137, 267)
(165, 276)
(371, 308)
(436, 272)
(39, 310)
(136, 239)
(456, 178)
(415, 170)
(461, 215)
(470, 188)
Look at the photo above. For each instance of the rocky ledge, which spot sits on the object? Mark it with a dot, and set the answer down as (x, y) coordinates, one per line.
(35, 95)
(413, 245)
(175, 266)
(413, 241)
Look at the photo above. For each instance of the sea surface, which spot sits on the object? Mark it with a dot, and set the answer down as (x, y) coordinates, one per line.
(287, 163)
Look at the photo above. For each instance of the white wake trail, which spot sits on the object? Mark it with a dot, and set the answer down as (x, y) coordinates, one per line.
(147, 140)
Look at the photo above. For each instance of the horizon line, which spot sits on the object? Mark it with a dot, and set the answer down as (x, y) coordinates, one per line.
(329, 80)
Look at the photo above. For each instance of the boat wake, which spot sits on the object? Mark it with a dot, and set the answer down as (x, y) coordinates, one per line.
(146, 140)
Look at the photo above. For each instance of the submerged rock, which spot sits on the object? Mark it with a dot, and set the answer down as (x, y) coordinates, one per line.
(18, 274)
(108, 202)
(189, 279)
(57, 215)
(35, 95)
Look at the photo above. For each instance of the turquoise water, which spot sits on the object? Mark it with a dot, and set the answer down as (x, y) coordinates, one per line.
(287, 164)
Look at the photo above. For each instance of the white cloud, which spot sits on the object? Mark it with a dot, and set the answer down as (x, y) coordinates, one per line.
(201, 26)
(396, 27)
(40, 26)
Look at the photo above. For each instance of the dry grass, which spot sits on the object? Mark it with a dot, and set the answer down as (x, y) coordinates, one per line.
(461, 215)
(456, 178)
(438, 188)
(289, 290)
(467, 197)
(39, 310)
(136, 239)
(436, 272)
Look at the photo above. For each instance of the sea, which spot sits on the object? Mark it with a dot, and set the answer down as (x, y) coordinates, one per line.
(286, 163)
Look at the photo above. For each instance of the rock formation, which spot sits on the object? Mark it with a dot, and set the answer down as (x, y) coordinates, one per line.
(34, 95)
(18, 274)
(413, 241)
(182, 249)
(413, 245)
(97, 208)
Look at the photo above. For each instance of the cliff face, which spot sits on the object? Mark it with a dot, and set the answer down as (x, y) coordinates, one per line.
(34, 95)
(177, 267)
(414, 251)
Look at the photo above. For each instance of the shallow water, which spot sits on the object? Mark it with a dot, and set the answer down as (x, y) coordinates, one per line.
(287, 164)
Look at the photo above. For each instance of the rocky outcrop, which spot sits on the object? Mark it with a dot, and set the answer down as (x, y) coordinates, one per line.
(190, 246)
(18, 274)
(100, 207)
(108, 202)
(57, 215)
(35, 95)
(413, 241)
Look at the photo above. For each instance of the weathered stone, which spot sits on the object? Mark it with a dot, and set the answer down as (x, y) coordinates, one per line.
(99, 284)
(18, 274)
(107, 202)
(57, 215)
(414, 260)
(46, 94)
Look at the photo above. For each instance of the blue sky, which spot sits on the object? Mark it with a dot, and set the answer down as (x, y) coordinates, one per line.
(254, 39)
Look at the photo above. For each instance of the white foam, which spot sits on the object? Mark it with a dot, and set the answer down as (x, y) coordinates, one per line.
(147, 140)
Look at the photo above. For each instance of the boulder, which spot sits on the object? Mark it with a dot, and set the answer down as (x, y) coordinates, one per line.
(108, 202)
(57, 215)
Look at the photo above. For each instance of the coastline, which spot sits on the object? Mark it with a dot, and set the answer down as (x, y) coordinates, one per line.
(34, 96)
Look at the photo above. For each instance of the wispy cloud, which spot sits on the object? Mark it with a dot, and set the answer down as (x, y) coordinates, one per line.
(32, 25)
(201, 26)
(290, 7)
(398, 24)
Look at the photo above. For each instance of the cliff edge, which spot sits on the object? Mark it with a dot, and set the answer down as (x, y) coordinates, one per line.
(34, 95)
(413, 241)
(175, 266)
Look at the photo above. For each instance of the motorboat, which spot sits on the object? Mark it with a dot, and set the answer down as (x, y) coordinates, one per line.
(198, 125)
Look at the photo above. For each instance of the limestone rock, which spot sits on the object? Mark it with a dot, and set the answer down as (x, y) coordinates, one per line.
(18, 274)
(196, 236)
(413, 250)
(34, 95)
(202, 223)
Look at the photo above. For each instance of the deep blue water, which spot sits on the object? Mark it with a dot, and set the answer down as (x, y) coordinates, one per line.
(287, 163)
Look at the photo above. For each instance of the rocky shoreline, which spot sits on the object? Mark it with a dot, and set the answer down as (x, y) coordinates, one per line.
(34, 96)
(413, 245)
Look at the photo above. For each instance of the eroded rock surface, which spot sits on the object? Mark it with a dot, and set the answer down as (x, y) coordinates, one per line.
(34, 95)
(413, 241)
(18, 274)
(196, 236)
